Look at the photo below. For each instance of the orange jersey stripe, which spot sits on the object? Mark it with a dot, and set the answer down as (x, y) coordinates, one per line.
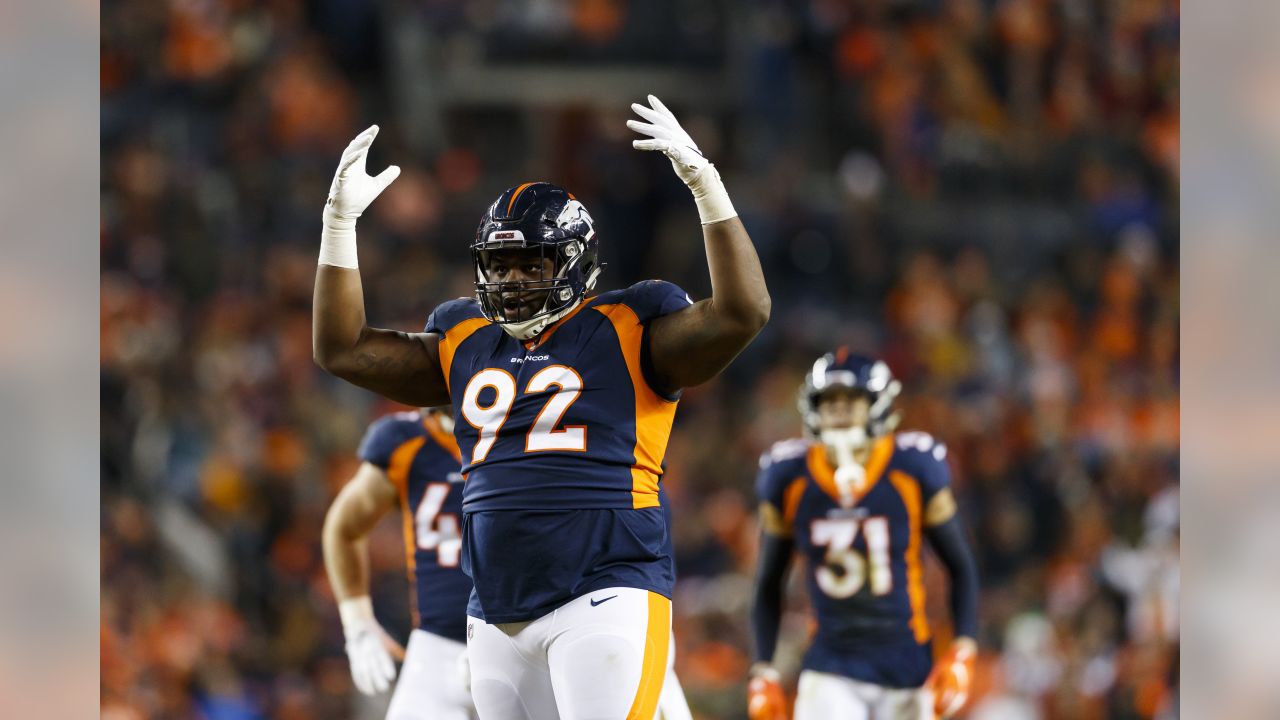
(453, 337)
(398, 473)
(444, 439)
(791, 501)
(654, 413)
(909, 490)
(825, 475)
(653, 670)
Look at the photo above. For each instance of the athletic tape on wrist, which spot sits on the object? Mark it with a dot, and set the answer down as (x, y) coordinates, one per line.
(338, 242)
(355, 612)
(711, 197)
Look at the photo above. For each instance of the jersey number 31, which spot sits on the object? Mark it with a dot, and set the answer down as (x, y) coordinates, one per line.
(844, 570)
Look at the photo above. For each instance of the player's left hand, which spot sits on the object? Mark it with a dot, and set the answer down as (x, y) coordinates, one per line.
(952, 677)
(765, 699)
(664, 134)
(369, 649)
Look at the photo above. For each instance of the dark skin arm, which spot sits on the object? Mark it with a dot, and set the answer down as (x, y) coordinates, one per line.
(401, 366)
(691, 346)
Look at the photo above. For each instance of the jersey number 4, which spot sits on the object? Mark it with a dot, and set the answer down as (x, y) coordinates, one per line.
(844, 570)
(488, 419)
(437, 531)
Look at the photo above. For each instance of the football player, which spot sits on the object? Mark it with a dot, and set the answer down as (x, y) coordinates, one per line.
(411, 460)
(856, 502)
(564, 399)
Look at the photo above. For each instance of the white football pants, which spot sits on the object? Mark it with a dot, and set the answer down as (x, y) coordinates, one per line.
(432, 681)
(823, 696)
(601, 656)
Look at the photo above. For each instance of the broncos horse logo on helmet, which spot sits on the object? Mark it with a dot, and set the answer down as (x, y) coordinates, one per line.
(857, 372)
(549, 219)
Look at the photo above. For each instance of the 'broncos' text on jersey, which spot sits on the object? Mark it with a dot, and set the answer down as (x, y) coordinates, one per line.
(421, 459)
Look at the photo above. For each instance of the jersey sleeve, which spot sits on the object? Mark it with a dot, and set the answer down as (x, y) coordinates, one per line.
(450, 313)
(780, 466)
(926, 460)
(777, 469)
(654, 298)
(384, 436)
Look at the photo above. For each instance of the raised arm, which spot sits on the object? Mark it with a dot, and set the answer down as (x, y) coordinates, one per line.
(402, 366)
(693, 345)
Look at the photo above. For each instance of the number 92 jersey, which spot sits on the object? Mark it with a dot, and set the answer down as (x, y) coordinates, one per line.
(863, 562)
(562, 441)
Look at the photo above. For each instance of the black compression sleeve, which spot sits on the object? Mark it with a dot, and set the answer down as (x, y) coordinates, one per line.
(766, 606)
(949, 540)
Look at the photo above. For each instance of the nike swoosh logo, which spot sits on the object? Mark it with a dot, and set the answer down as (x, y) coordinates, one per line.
(597, 602)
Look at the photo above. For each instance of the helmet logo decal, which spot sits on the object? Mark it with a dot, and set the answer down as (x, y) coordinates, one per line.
(575, 215)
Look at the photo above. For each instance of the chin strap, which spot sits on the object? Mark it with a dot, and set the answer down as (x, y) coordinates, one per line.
(851, 477)
(529, 329)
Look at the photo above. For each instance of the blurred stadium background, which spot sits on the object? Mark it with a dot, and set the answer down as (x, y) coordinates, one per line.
(984, 192)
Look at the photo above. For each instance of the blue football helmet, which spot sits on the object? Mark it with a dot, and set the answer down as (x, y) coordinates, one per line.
(548, 218)
(858, 372)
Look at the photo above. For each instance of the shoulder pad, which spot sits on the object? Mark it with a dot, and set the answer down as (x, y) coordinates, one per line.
(450, 313)
(784, 450)
(655, 298)
(922, 443)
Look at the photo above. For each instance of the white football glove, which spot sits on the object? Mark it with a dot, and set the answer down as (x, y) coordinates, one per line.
(666, 136)
(372, 668)
(350, 193)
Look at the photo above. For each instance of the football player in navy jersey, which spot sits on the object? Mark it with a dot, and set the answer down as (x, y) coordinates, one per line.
(564, 399)
(856, 501)
(411, 460)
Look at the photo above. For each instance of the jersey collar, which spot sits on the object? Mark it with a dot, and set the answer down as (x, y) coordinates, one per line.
(542, 337)
(825, 475)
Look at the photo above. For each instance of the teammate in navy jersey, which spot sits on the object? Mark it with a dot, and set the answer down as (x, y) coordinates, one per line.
(408, 459)
(856, 501)
(564, 400)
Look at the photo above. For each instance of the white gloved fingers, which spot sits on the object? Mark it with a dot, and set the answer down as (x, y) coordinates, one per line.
(359, 145)
(372, 668)
(360, 673)
(657, 105)
(386, 177)
(650, 114)
(648, 129)
(386, 667)
(651, 144)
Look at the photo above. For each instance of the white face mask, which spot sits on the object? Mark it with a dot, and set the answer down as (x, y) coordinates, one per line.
(446, 422)
(842, 444)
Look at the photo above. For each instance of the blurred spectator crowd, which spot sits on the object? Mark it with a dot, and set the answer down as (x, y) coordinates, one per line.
(983, 192)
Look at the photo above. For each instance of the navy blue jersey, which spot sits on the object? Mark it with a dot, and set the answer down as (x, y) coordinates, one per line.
(863, 562)
(421, 460)
(562, 440)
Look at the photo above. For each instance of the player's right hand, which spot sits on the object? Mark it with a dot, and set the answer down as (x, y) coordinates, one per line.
(369, 648)
(765, 699)
(952, 677)
(353, 188)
